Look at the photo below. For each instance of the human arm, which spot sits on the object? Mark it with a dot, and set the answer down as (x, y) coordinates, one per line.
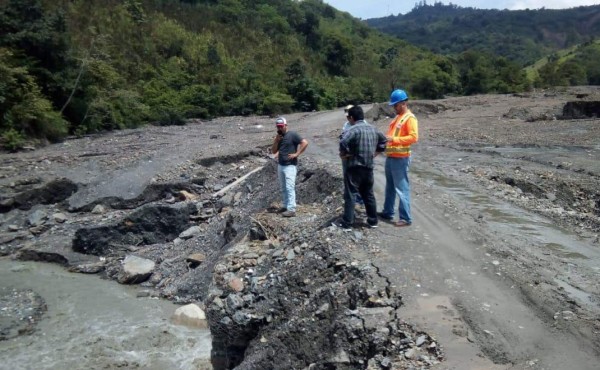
(381, 141)
(344, 145)
(412, 129)
(301, 148)
(275, 145)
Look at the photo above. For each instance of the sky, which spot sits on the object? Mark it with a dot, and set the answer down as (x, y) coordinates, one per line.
(365, 9)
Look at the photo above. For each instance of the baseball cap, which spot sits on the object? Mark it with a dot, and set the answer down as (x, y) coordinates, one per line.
(280, 121)
(348, 107)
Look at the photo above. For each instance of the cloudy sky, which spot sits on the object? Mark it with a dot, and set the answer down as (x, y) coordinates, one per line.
(380, 8)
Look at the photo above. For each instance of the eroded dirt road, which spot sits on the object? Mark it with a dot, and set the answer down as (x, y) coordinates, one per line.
(501, 266)
(501, 285)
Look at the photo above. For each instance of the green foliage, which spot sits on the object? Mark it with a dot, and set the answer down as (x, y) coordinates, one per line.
(277, 103)
(433, 81)
(338, 54)
(574, 66)
(481, 73)
(91, 65)
(12, 140)
(39, 39)
(23, 109)
(522, 36)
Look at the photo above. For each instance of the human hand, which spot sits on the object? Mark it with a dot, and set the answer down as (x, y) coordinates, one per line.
(292, 156)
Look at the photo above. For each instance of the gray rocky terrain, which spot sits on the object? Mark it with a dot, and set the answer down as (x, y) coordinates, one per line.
(500, 269)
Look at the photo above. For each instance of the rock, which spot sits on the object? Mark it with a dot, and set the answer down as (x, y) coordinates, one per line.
(237, 197)
(89, 268)
(7, 203)
(375, 318)
(143, 294)
(290, 255)
(37, 218)
(59, 218)
(136, 270)
(236, 284)
(234, 302)
(341, 357)
(99, 209)
(410, 353)
(185, 195)
(322, 310)
(40, 229)
(194, 260)
(241, 318)
(421, 340)
(13, 228)
(190, 315)
(191, 232)
(386, 363)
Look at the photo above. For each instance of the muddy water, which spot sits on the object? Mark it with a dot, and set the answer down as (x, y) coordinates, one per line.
(97, 324)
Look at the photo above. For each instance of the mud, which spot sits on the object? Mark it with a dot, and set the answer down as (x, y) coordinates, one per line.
(505, 240)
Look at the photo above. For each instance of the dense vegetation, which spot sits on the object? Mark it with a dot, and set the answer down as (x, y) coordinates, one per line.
(578, 65)
(523, 36)
(81, 66)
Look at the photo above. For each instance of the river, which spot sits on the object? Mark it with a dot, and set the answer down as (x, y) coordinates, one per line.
(97, 324)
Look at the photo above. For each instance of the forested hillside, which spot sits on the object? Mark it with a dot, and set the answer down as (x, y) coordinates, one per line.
(523, 36)
(579, 65)
(81, 66)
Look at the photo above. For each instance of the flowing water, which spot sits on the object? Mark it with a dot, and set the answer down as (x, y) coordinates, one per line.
(97, 324)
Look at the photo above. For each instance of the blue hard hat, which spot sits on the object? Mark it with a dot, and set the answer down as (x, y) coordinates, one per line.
(398, 96)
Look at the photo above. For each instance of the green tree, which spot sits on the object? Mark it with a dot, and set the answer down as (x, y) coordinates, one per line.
(40, 40)
(338, 54)
(23, 109)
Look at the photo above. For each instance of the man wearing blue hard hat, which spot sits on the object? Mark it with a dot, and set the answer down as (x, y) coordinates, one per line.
(402, 132)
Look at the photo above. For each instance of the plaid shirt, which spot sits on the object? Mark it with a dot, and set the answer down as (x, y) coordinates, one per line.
(360, 142)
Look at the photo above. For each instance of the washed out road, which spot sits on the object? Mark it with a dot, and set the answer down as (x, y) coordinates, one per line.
(489, 279)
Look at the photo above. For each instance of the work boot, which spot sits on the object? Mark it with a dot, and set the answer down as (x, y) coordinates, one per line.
(281, 210)
(289, 214)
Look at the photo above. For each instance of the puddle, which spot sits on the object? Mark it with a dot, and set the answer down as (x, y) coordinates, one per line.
(504, 217)
(97, 324)
(563, 251)
(512, 220)
(578, 294)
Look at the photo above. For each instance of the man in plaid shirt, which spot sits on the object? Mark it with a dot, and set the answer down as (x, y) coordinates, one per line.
(359, 145)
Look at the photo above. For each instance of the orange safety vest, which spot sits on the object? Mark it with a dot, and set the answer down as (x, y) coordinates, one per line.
(404, 131)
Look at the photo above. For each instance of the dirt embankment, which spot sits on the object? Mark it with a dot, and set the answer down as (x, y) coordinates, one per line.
(278, 293)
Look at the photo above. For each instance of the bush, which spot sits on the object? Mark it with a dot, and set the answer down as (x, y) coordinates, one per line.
(277, 103)
(121, 109)
(12, 140)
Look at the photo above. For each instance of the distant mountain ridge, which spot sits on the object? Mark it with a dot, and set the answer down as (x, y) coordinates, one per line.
(523, 36)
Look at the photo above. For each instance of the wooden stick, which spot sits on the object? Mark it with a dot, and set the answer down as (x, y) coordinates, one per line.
(236, 182)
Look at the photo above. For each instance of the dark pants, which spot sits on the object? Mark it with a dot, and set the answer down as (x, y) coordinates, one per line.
(359, 180)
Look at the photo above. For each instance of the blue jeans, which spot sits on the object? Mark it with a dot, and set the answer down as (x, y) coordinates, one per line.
(396, 183)
(287, 183)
